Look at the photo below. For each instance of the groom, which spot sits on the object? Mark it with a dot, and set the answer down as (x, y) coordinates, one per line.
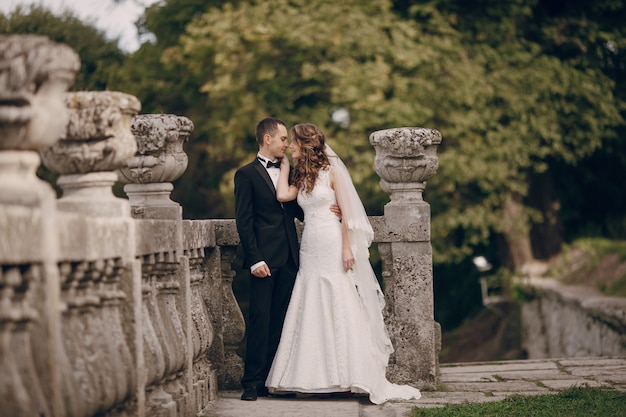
(270, 244)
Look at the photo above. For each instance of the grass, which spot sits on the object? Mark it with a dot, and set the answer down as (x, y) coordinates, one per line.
(573, 402)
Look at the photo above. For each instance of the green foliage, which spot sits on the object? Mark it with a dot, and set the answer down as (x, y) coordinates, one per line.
(506, 109)
(100, 58)
(169, 18)
(595, 262)
(573, 402)
(531, 112)
(600, 247)
(616, 288)
(521, 90)
(240, 62)
(256, 63)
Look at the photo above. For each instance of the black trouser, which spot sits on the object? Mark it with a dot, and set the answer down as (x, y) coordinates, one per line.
(269, 299)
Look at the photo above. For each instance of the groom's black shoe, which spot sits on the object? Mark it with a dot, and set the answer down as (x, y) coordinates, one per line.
(249, 394)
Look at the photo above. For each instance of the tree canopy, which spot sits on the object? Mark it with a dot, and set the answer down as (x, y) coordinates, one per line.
(528, 95)
(100, 58)
(510, 111)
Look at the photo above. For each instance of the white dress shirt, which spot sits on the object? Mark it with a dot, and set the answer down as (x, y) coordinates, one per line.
(272, 171)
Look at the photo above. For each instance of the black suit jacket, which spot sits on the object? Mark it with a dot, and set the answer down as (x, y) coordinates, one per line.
(266, 227)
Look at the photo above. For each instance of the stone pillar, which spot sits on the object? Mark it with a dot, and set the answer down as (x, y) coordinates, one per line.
(100, 281)
(34, 74)
(159, 160)
(405, 159)
(169, 294)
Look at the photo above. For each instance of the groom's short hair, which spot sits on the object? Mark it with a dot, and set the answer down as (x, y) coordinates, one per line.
(267, 126)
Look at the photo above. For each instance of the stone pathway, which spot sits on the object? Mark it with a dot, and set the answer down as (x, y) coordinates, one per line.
(460, 383)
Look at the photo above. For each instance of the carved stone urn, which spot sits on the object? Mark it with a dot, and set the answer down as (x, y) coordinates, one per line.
(34, 75)
(98, 141)
(160, 159)
(406, 158)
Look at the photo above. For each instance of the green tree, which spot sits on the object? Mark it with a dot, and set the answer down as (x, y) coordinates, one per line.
(166, 86)
(532, 117)
(591, 37)
(100, 58)
(509, 112)
(300, 60)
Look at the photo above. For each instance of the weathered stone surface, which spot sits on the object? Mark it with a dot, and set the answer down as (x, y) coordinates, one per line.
(199, 233)
(510, 386)
(34, 74)
(594, 362)
(561, 384)
(233, 323)
(405, 159)
(159, 159)
(98, 136)
(97, 141)
(386, 228)
(572, 321)
(81, 237)
(158, 238)
(21, 232)
(495, 367)
(160, 156)
(226, 232)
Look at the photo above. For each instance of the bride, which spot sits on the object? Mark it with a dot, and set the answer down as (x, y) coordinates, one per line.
(334, 338)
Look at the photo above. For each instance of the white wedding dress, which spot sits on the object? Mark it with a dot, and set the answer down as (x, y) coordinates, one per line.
(327, 344)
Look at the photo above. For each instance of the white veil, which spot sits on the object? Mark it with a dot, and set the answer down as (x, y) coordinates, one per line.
(361, 235)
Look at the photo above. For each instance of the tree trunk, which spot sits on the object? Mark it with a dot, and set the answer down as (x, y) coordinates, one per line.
(517, 249)
(547, 236)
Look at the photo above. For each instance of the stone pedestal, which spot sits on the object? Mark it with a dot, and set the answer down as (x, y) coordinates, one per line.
(160, 159)
(91, 194)
(405, 160)
(18, 180)
(152, 201)
(98, 141)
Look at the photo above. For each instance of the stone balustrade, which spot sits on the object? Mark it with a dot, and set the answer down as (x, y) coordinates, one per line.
(119, 307)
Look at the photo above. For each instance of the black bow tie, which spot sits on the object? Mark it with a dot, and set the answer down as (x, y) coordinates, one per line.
(273, 164)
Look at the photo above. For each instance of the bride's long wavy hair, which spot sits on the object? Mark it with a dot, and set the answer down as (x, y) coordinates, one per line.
(313, 158)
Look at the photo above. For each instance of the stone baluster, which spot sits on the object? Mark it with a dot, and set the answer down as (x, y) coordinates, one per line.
(233, 324)
(159, 160)
(202, 295)
(34, 74)
(405, 159)
(158, 402)
(175, 305)
(206, 307)
(163, 343)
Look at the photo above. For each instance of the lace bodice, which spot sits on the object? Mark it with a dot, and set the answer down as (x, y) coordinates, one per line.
(316, 205)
